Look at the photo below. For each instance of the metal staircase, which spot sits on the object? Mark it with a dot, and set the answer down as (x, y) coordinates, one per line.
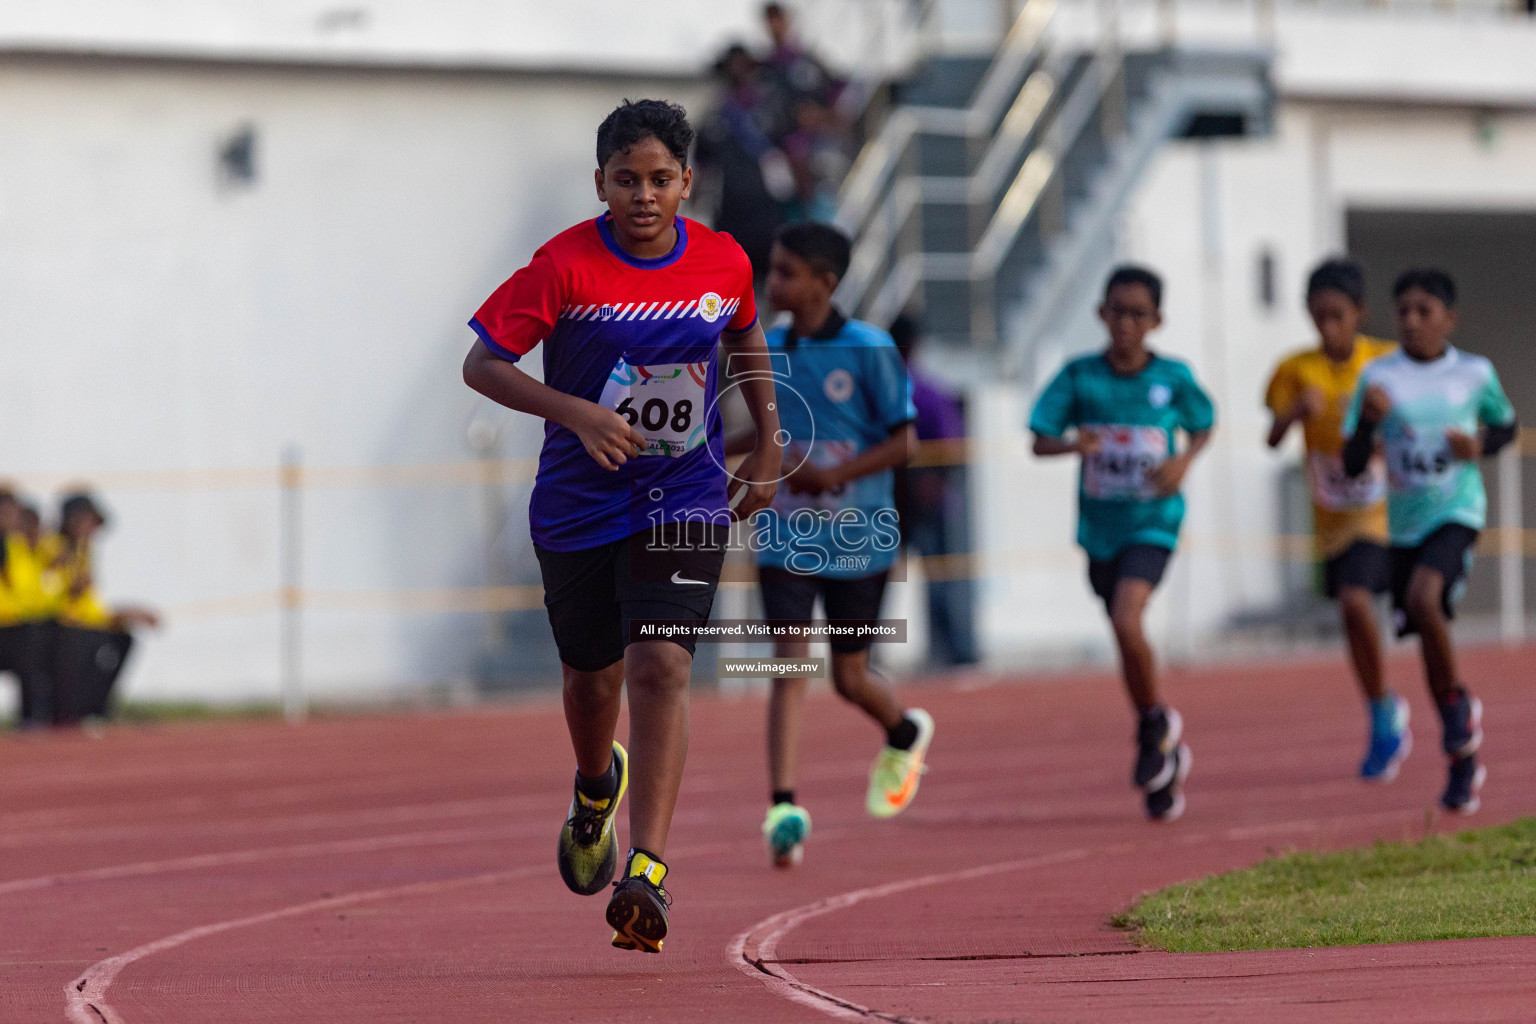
(994, 219)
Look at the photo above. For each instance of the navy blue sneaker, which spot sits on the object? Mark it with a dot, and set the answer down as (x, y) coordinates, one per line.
(1462, 719)
(1157, 738)
(1390, 739)
(1463, 785)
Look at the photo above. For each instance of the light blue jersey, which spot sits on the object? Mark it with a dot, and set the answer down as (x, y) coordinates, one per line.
(845, 391)
(1136, 418)
(1428, 486)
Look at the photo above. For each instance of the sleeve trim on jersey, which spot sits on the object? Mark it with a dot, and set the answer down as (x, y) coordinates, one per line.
(490, 342)
(743, 330)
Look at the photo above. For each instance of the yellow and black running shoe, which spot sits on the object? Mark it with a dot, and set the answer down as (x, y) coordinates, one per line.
(589, 849)
(638, 909)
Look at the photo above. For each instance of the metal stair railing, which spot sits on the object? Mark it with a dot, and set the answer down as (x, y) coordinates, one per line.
(869, 182)
(1020, 125)
(1038, 171)
(1171, 99)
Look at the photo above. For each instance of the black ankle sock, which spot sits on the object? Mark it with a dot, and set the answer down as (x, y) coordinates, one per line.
(783, 796)
(903, 734)
(599, 787)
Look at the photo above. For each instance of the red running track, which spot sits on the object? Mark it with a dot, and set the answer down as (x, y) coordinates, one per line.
(399, 869)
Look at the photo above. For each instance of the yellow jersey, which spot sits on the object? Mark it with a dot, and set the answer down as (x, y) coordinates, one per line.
(1344, 509)
(77, 602)
(32, 588)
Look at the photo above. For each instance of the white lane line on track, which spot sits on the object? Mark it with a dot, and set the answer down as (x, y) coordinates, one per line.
(196, 862)
(748, 951)
(86, 996)
(395, 814)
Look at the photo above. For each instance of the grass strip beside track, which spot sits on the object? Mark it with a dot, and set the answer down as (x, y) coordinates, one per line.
(1474, 884)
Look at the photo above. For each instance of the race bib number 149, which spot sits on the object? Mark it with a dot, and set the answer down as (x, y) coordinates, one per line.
(664, 402)
(1121, 470)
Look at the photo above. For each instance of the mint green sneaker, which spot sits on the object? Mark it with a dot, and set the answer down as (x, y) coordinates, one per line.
(893, 780)
(785, 831)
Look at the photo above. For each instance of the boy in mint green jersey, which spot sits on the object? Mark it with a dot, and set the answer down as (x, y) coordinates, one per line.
(1125, 407)
(1434, 410)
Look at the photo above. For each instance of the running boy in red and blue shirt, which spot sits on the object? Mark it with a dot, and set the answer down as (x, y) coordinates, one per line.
(630, 508)
(832, 533)
(1124, 408)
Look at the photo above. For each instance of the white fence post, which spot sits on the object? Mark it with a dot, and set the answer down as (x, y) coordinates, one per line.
(1511, 546)
(290, 596)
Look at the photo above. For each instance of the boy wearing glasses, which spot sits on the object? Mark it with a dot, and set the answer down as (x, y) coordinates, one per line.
(1121, 410)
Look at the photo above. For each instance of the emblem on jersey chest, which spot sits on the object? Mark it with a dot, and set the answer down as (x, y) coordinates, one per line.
(1159, 395)
(710, 307)
(838, 385)
(606, 312)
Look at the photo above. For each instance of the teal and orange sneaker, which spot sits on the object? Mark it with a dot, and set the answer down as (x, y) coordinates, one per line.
(638, 909)
(894, 778)
(785, 830)
(589, 848)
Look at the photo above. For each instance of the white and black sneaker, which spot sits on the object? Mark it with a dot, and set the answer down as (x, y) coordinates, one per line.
(1157, 739)
(1464, 784)
(1167, 804)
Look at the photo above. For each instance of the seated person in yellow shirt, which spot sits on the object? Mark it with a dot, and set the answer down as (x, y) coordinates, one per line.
(26, 614)
(1349, 515)
(93, 640)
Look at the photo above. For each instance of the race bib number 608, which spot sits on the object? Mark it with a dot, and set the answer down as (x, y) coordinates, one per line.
(664, 402)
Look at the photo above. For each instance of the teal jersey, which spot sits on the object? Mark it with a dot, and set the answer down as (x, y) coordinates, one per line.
(840, 392)
(1427, 486)
(1135, 418)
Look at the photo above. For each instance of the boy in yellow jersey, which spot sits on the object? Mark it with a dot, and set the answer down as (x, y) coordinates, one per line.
(92, 640)
(1349, 514)
(26, 611)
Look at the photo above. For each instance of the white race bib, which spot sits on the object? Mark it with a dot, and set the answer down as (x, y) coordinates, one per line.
(1419, 461)
(1121, 470)
(1337, 491)
(824, 454)
(664, 402)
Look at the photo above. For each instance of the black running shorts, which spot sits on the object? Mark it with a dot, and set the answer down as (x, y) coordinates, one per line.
(1449, 552)
(791, 597)
(1136, 562)
(1362, 564)
(592, 595)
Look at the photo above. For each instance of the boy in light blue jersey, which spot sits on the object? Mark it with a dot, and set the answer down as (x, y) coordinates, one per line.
(1434, 410)
(845, 411)
(1127, 406)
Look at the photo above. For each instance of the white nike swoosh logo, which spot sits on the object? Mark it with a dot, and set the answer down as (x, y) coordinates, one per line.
(678, 577)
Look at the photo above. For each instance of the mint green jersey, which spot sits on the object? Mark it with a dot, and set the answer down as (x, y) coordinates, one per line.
(1427, 486)
(1135, 418)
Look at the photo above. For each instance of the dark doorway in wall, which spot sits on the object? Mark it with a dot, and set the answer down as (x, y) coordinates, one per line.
(1492, 256)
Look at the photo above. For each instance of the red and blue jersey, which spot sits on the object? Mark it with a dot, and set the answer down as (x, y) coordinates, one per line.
(639, 336)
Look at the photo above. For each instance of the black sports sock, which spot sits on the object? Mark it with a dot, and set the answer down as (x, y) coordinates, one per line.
(599, 787)
(783, 796)
(903, 734)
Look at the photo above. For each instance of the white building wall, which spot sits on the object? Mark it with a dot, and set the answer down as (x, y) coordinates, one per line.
(1202, 217)
(158, 319)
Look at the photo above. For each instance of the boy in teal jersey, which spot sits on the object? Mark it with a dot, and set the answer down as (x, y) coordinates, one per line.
(1127, 406)
(1434, 410)
(845, 409)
